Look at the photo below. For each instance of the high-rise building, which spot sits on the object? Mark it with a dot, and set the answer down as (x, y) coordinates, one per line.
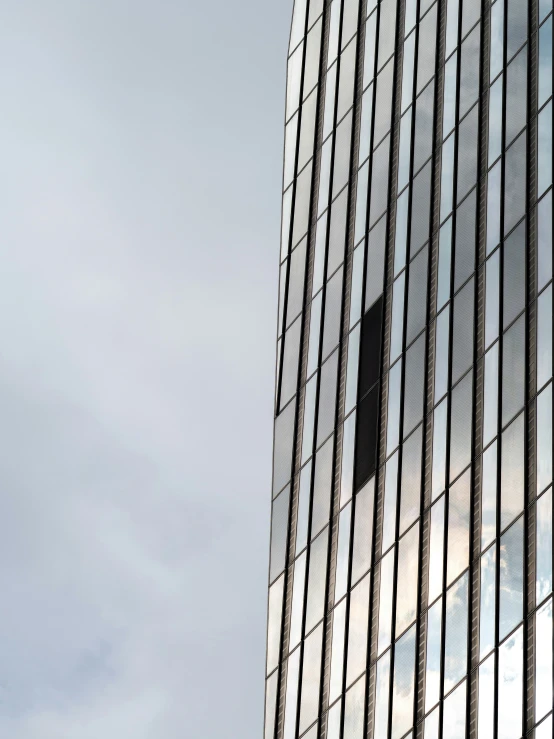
(410, 584)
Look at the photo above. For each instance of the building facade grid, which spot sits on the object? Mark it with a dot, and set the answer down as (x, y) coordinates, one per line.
(411, 562)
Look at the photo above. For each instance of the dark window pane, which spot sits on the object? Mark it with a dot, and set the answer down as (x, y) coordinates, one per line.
(370, 363)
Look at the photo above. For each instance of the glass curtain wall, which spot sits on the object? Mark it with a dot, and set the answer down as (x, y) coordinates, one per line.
(411, 558)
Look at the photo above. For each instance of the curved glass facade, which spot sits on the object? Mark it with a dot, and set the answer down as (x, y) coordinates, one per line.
(411, 565)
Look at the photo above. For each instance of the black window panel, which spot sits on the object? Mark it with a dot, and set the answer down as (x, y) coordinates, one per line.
(466, 232)
(370, 360)
(365, 459)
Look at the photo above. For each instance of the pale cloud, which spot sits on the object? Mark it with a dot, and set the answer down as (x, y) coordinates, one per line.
(141, 155)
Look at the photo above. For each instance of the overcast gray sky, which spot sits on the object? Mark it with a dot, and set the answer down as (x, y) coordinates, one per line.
(140, 166)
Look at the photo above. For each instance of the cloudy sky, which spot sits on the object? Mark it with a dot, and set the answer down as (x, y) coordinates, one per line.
(140, 158)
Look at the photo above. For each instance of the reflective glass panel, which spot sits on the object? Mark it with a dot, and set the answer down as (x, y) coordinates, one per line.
(510, 687)
(511, 578)
(403, 686)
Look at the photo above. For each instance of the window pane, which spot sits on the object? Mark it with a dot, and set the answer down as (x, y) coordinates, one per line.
(544, 546)
(514, 274)
(317, 571)
(385, 601)
(454, 720)
(343, 552)
(337, 651)
(363, 531)
(321, 500)
(357, 631)
(441, 353)
(510, 687)
(403, 687)
(433, 656)
(456, 633)
(311, 672)
(407, 578)
(511, 578)
(513, 370)
(458, 527)
(486, 696)
(513, 469)
(436, 556)
(543, 668)
(293, 672)
(488, 602)
(544, 439)
(488, 496)
(381, 720)
(275, 613)
(279, 530)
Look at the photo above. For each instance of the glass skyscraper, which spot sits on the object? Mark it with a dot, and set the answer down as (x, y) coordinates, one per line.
(411, 566)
